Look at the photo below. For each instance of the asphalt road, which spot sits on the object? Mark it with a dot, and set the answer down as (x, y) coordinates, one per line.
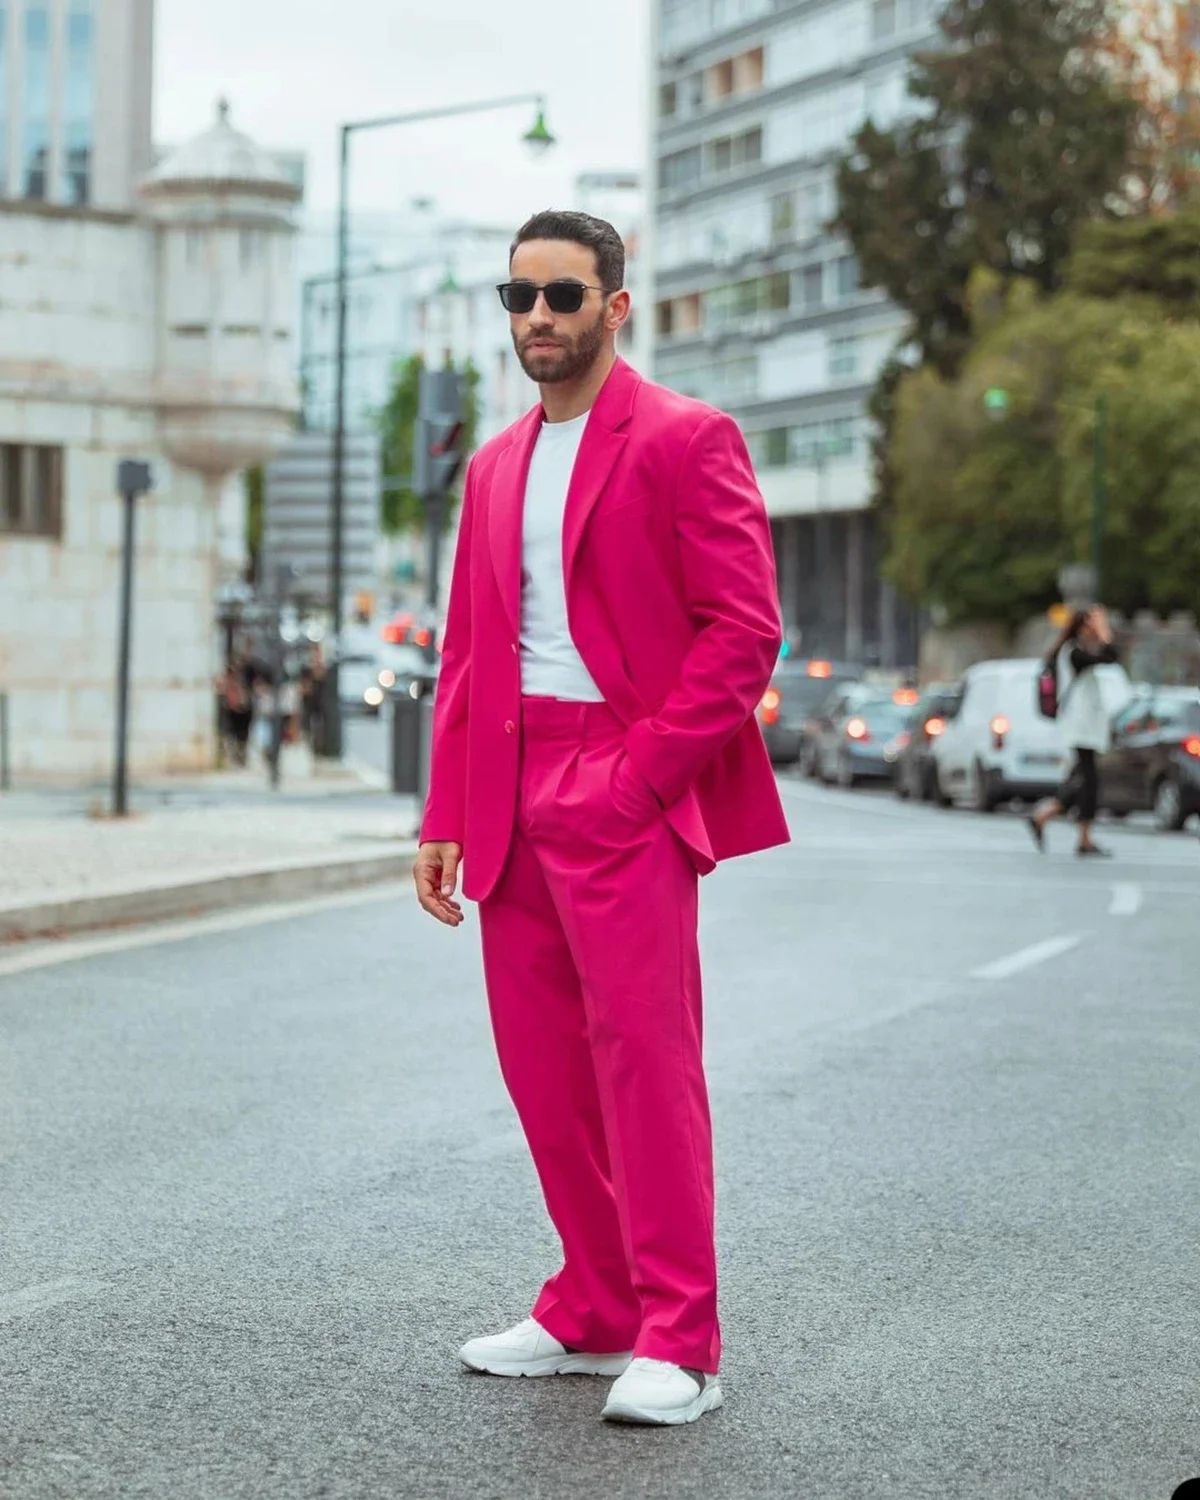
(257, 1183)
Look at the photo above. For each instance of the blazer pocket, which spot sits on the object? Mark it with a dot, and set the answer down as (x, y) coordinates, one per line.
(626, 505)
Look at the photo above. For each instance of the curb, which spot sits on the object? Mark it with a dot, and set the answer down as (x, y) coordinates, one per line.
(285, 881)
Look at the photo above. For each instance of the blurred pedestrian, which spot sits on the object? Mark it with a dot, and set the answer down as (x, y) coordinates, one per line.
(1085, 644)
(312, 683)
(613, 624)
(237, 708)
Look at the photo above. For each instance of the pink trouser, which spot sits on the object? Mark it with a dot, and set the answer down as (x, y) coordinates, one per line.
(593, 977)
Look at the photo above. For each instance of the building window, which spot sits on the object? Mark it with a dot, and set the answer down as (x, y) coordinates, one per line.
(35, 138)
(846, 272)
(30, 490)
(78, 103)
(251, 244)
(843, 358)
(668, 100)
(730, 151)
(664, 319)
(778, 291)
(3, 100)
(681, 170)
(812, 286)
(718, 81)
(783, 218)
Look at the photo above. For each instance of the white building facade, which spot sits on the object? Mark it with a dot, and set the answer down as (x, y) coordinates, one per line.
(75, 100)
(758, 307)
(160, 331)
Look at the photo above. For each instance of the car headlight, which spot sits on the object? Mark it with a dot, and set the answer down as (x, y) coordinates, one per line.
(373, 697)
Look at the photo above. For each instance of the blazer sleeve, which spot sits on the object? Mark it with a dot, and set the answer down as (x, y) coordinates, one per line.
(444, 818)
(728, 570)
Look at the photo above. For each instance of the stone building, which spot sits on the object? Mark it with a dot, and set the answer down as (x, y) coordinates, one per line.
(158, 329)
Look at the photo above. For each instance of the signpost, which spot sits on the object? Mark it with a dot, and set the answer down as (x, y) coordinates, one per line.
(133, 479)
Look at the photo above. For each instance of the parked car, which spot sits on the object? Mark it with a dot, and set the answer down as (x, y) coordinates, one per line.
(796, 689)
(997, 746)
(359, 688)
(1154, 763)
(914, 771)
(854, 735)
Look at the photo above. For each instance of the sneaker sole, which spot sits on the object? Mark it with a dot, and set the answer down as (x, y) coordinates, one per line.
(708, 1400)
(551, 1364)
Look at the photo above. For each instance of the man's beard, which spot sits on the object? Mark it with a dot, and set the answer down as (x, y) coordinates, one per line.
(565, 363)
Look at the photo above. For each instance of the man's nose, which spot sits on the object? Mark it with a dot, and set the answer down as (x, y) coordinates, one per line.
(541, 316)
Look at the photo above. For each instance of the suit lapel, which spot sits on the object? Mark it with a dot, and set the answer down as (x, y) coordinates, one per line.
(506, 507)
(603, 441)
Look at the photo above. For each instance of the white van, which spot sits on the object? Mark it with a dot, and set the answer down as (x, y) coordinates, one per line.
(998, 745)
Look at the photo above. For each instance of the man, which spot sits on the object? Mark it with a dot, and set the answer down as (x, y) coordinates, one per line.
(613, 622)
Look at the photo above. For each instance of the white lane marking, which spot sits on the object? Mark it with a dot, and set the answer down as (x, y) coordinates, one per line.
(46, 1294)
(1126, 899)
(1026, 958)
(67, 950)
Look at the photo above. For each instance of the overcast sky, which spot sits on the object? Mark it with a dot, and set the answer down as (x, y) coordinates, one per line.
(295, 69)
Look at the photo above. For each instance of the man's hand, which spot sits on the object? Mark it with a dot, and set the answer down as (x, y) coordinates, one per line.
(436, 875)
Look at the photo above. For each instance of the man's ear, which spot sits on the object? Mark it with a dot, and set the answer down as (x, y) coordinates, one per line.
(617, 311)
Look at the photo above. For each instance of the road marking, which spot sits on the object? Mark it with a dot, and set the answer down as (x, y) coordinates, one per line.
(1126, 899)
(44, 1295)
(68, 950)
(1026, 958)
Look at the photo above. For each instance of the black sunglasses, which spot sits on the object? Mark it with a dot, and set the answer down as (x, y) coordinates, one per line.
(561, 296)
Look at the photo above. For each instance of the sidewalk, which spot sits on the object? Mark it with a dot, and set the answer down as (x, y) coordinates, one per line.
(193, 844)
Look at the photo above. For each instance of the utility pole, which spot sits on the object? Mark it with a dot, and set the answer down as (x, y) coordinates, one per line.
(133, 479)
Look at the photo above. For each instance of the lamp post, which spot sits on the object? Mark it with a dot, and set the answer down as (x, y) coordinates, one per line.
(538, 139)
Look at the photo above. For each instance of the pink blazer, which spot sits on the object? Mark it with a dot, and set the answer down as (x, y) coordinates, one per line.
(672, 602)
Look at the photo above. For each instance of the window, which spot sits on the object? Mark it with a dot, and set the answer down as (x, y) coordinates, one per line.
(681, 170)
(30, 489)
(718, 81)
(783, 218)
(843, 358)
(664, 320)
(812, 286)
(78, 103)
(668, 100)
(883, 19)
(729, 151)
(3, 100)
(748, 71)
(778, 291)
(35, 137)
(846, 274)
(251, 243)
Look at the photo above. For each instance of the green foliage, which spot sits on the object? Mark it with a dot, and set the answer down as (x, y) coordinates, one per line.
(400, 508)
(1021, 137)
(988, 509)
(1155, 256)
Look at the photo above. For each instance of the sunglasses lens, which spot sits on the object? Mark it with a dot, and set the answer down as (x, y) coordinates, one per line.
(518, 296)
(564, 296)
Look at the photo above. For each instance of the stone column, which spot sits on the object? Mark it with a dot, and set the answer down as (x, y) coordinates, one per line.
(854, 586)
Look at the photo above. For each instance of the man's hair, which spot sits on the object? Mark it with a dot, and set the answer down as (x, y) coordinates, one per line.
(581, 229)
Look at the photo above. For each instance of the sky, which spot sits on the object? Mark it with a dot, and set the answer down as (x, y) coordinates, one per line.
(294, 70)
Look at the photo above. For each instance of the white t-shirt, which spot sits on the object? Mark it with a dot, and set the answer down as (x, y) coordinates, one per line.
(551, 667)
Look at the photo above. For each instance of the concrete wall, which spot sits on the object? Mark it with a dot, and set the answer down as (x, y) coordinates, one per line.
(76, 366)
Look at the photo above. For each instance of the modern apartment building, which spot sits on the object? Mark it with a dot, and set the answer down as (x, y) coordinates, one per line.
(758, 306)
(75, 89)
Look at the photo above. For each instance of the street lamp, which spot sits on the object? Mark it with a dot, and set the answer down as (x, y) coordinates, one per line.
(538, 140)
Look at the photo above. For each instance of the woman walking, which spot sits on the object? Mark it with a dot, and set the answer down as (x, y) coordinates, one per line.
(1084, 645)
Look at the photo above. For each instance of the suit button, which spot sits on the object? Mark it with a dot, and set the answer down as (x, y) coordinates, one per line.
(509, 727)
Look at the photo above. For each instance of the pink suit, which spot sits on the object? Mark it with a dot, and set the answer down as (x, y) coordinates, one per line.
(584, 827)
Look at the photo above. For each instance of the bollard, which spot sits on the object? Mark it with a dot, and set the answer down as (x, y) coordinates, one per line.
(407, 757)
(5, 763)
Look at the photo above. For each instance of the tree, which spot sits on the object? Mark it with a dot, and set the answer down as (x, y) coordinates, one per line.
(988, 509)
(1155, 49)
(400, 508)
(1020, 134)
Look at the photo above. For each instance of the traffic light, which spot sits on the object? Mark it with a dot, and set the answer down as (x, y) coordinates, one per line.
(441, 429)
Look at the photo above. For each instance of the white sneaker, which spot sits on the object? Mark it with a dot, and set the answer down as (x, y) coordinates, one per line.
(528, 1349)
(651, 1390)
